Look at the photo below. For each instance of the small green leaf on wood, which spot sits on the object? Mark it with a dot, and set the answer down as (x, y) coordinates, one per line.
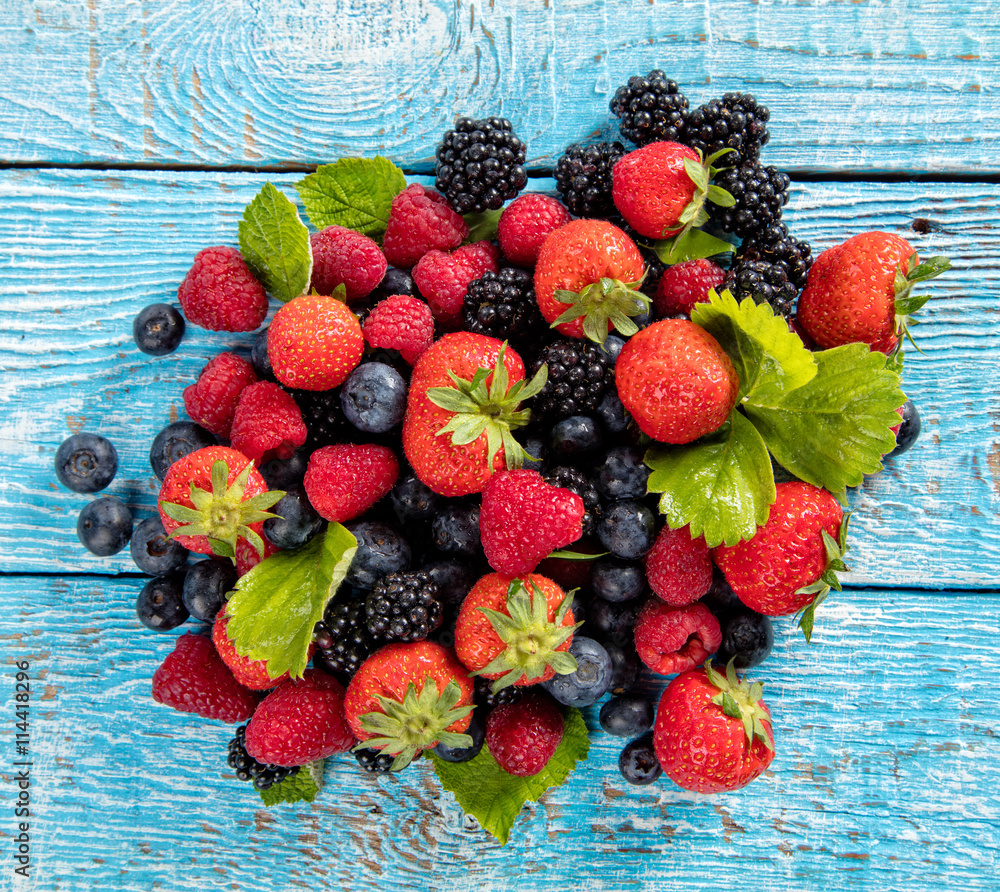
(352, 192)
(303, 786)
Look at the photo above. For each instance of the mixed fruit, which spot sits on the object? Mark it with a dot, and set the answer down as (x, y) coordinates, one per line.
(500, 456)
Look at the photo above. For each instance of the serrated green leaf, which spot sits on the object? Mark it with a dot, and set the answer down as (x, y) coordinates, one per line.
(691, 244)
(494, 797)
(275, 244)
(300, 787)
(482, 226)
(721, 485)
(353, 192)
(277, 604)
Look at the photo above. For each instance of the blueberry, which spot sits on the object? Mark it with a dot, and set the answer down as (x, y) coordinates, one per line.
(748, 636)
(638, 763)
(622, 474)
(104, 526)
(454, 579)
(205, 588)
(160, 605)
(374, 397)
(627, 715)
(575, 439)
(284, 473)
(158, 329)
(613, 346)
(612, 622)
(455, 530)
(476, 730)
(536, 455)
(381, 550)
(175, 441)
(611, 413)
(616, 580)
(720, 598)
(297, 521)
(153, 552)
(86, 462)
(625, 666)
(909, 430)
(259, 358)
(627, 529)
(396, 281)
(591, 679)
(412, 499)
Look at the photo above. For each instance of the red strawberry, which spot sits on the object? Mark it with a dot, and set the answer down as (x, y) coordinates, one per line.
(679, 568)
(523, 518)
(444, 278)
(516, 631)
(213, 498)
(674, 639)
(586, 280)
(314, 342)
(193, 678)
(676, 380)
(525, 224)
(300, 721)
(249, 673)
(713, 732)
(408, 697)
(342, 256)
(522, 736)
(344, 480)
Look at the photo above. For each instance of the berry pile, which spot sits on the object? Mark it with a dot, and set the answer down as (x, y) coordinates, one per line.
(469, 482)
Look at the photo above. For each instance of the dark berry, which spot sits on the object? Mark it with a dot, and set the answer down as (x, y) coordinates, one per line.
(476, 730)
(579, 374)
(395, 281)
(104, 526)
(625, 666)
(153, 552)
(622, 474)
(616, 580)
(612, 622)
(760, 194)
(381, 550)
(650, 109)
(909, 429)
(414, 500)
(160, 605)
(575, 440)
(763, 282)
(296, 522)
(627, 529)
(373, 761)
(455, 530)
(591, 679)
(736, 121)
(347, 643)
(247, 768)
(638, 763)
(775, 245)
(258, 356)
(454, 579)
(158, 329)
(174, 442)
(284, 473)
(484, 695)
(720, 599)
(86, 463)
(480, 165)
(403, 607)
(577, 482)
(627, 715)
(748, 636)
(611, 413)
(502, 305)
(323, 417)
(205, 588)
(583, 178)
(374, 397)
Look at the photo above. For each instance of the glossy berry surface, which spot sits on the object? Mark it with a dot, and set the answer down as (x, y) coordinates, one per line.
(152, 551)
(160, 604)
(381, 550)
(174, 442)
(206, 586)
(480, 164)
(86, 462)
(374, 397)
(591, 679)
(628, 715)
(638, 763)
(627, 529)
(616, 580)
(296, 521)
(748, 637)
(158, 329)
(403, 607)
(104, 526)
(476, 730)
(909, 429)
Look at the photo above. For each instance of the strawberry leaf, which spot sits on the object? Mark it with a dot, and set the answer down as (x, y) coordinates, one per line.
(482, 226)
(690, 244)
(494, 797)
(300, 787)
(275, 244)
(353, 192)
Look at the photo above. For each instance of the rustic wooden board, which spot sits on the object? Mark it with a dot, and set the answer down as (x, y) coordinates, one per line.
(861, 86)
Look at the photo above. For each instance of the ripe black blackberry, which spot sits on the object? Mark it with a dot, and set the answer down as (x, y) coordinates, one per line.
(576, 481)
(343, 642)
(403, 607)
(483, 693)
(736, 121)
(764, 282)
(760, 194)
(373, 761)
(323, 417)
(583, 178)
(502, 305)
(580, 373)
(247, 768)
(776, 245)
(651, 108)
(480, 164)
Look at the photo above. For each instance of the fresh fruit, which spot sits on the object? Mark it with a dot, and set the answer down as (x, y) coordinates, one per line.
(160, 604)
(158, 329)
(650, 108)
(86, 462)
(759, 193)
(674, 639)
(153, 552)
(525, 224)
(342, 256)
(591, 679)
(250, 673)
(267, 423)
(502, 305)
(381, 550)
(476, 732)
(579, 376)
(737, 121)
(480, 164)
(637, 762)
(679, 567)
(627, 529)
(627, 715)
(175, 441)
(403, 607)
(374, 397)
(211, 400)
(295, 521)
(763, 283)
(747, 639)
(221, 294)
(247, 768)
(908, 430)
(685, 284)
(444, 278)
(345, 480)
(583, 178)
(522, 736)
(104, 526)
(420, 220)
(401, 322)
(206, 586)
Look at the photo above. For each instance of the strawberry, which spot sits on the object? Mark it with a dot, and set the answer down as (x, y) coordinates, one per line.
(522, 736)
(516, 630)
(300, 721)
(676, 380)
(461, 407)
(712, 732)
(214, 497)
(523, 518)
(587, 279)
(249, 673)
(344, 480)
(408, 697)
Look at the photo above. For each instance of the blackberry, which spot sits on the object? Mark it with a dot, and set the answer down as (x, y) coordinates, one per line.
(480, 165)
(373, 761)
(576, 481)
(484, 696)
(760, 193)
(403, 607)
(343, 642)
(736, 121)
(247, 768)
(650, 108)
(580, 373)
(764, 282)
(583, 178)
(323, 417)
(502, 305)
(775, 245)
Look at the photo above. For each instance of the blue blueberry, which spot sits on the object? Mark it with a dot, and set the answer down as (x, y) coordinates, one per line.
(158, 329)
(575, 439)
(611, 413)
(616, 580)
(412, 499)
(748, 636)
(627, 529)
(381, 550)
(612, 622)
(622, 474)
(104, 526)
(205, 588)
(536, 455)
(174, 442)
(258, 356)
(284, 473)
(296, 522)
(374, 397)
(720, 599)
(455, 530)
(153, 552)
(625, 666)
(638, 763)
(627, 715)
(86, 463)
(396, 281)
(476, 730)
(160, 605)
(909, 430)
(454, 579)
(591, 679)
(613, 346)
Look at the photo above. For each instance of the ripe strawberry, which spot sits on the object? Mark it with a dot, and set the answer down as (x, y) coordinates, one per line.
(516, 631)
(314, 342)
(344, 480)
(522, 736)
(220, 293)
(193, 678)
(523, 518)
(525, 224)
(586, 280)
(213, 498)
(461, 407)
(249, 673)
(675, 639)
(408, 697)
(712, 732)
(300, 721)
(676, 380)
(679, 568)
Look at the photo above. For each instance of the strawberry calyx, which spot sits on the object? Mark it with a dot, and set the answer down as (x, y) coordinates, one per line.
(739, 699)
(405, 729)
(835, 551)
(701, 174)
(223, 515)
(489, 408)
(906, 302)
(606, 300)
(531, 638)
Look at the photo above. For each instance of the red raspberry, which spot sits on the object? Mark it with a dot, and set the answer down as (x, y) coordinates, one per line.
(686, 284)
(679, 568)
(342, 256)
(193, 678)
(522, 736)
(675, 639)
(420, 220)
(300, 721)
(267, 422)
(525, 223)
(212, 399)
(249, 673)
(444, 278)
(402, 323)
(247, 557)
(343, 481)
(220, 293)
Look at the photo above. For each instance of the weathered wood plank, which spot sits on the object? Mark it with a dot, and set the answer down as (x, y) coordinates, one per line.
(857, 86)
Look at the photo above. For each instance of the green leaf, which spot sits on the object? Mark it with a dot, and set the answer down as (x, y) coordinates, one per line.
(274, 243)
(277, 604)
(690, 244)
(721, 485)
(834, 429)
(494, 797)
(718, 195)
(300, 787)
(353, 192)
(482, 227)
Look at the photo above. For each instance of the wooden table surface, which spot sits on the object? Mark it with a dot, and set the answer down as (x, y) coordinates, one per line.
(132, 134)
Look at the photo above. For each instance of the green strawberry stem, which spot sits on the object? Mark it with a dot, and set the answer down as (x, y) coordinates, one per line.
(739, 699)
(906, 302)
(701, 174)
(606, 300)
(835, 551)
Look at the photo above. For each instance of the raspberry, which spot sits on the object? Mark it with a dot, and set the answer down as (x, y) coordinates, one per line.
(420, 220)
(444, 278)
(342, 256)
(247, 768)
(221, 294)
(211, 400)
(583, 177)
(401, 323)
(267, 422)
(343, 481)
(249, 673)
(686, 284)
(522, 736)
(679, 568)
(525, 223)
(675, 639)
(193, 678)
